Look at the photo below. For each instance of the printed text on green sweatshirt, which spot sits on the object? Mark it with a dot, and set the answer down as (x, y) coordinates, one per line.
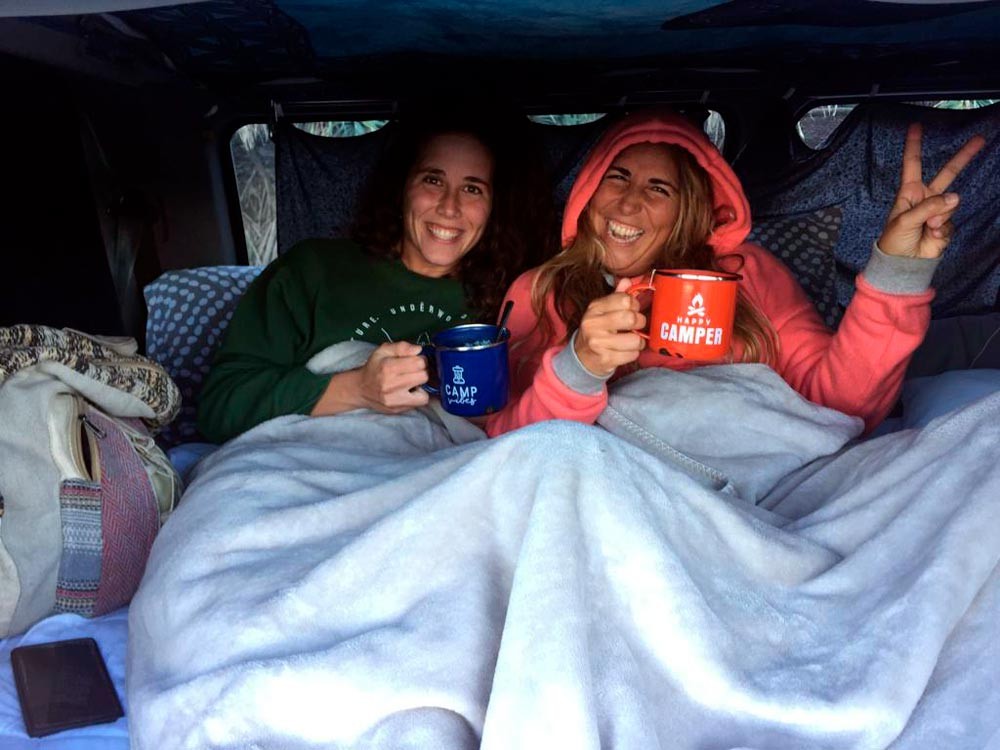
(320, 293)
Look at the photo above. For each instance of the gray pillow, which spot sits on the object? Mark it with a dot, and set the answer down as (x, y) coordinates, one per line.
(736, 428)
(805, 244)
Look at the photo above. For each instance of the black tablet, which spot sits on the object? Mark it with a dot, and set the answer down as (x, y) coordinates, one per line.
(63, 685)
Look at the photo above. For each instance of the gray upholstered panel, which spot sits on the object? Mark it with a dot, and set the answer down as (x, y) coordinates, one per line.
(319, 181)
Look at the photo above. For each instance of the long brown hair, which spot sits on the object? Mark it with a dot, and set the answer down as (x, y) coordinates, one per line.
(577, 278)
(521, 229)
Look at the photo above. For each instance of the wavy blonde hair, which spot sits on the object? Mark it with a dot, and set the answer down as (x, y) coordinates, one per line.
(577, 278)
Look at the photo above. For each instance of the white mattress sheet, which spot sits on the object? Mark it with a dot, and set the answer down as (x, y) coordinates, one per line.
(111, 634)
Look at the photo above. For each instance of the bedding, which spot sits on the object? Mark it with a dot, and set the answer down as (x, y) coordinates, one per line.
(186, 456)
(931, 396)
(371, 581)
(926, 398)
(111, 632)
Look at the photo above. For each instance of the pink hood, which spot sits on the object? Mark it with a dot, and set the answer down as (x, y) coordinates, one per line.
(731, 205)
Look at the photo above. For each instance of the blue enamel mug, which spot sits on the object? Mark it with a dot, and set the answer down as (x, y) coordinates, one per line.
(472, 369)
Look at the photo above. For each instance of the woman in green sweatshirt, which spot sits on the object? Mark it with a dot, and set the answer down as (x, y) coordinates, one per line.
(455, 212)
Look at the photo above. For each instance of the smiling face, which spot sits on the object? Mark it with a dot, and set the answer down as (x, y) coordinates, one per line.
(446, 203)
(635, 207)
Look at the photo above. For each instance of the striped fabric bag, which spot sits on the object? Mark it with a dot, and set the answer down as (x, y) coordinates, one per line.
(83, 486)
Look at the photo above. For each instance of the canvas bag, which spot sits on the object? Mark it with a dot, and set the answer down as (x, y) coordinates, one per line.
(83, 486)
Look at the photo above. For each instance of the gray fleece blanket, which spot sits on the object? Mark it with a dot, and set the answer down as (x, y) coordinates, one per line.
(718, 566)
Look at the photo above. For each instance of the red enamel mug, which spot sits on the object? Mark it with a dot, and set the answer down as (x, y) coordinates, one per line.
(692, 312)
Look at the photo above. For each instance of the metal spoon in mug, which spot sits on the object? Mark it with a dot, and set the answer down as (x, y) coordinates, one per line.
(502, 325)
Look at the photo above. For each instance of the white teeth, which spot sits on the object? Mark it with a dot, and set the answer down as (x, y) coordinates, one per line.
(444, 234)
(623, 232)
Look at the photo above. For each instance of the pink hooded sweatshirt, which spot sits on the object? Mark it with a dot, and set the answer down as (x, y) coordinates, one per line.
(857, 370)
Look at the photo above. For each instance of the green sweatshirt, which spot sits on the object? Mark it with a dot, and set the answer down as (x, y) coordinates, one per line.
(319, 293)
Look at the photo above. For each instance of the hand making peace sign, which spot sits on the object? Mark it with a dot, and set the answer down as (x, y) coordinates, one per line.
(919, 224)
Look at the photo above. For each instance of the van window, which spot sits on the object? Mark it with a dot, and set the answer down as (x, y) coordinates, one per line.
(715, 126)
(253, 165)
(567, 119)
(341, 128)
(818, 125)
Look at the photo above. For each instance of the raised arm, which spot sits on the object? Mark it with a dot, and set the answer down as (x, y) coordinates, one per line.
(859, 369)
(919, 223)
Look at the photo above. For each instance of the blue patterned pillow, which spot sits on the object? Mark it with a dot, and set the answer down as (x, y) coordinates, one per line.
(188, 313)
(805, 244)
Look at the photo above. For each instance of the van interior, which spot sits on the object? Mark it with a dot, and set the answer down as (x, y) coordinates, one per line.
(159, 154)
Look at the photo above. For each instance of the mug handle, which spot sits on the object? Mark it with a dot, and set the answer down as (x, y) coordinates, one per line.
(635, 290)
(428, 351)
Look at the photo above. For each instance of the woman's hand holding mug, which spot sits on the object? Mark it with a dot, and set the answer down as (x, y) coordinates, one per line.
(385, 383)
(606, 338)
(390, 379)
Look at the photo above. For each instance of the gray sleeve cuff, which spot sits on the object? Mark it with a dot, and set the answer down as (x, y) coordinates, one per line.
(570, 370)
(899, 275)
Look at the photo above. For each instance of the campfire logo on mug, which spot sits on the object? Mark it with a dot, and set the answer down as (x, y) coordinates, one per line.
(457, 392)
(697, 306)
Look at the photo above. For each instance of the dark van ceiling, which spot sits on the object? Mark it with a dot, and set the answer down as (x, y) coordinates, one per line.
(359, 48)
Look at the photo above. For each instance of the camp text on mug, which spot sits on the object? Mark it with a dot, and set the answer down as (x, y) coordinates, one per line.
(471, 365)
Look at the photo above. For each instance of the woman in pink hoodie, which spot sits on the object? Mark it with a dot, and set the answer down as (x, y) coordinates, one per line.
(655, 193)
